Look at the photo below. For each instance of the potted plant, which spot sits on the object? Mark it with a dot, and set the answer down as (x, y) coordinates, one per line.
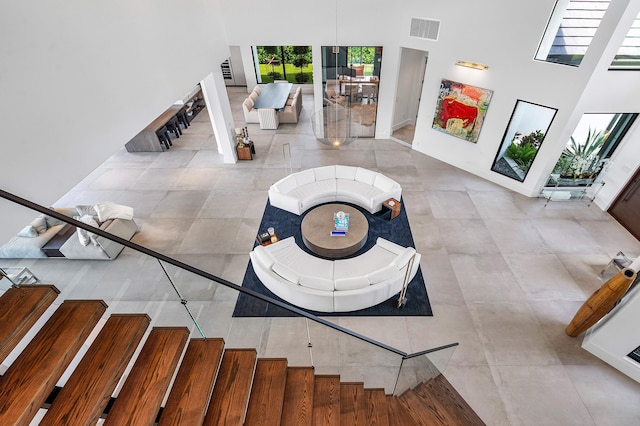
(523, 150)
(522, 155)
(580, 163)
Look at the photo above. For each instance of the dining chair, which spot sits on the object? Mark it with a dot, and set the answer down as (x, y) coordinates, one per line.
(352, 91)
(369, 92)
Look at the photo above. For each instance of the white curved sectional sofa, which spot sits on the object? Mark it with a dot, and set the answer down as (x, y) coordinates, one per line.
(300, 191)
(341, 285)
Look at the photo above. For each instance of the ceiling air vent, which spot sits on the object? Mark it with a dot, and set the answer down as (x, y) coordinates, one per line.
(425, 28)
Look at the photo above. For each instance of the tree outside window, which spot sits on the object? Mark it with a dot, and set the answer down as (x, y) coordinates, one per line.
(291, 63)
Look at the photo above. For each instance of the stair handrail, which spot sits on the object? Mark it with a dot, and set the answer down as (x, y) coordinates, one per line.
(429, 351)
(67, 219)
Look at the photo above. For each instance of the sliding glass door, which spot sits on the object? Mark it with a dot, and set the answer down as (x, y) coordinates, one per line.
(351, 78)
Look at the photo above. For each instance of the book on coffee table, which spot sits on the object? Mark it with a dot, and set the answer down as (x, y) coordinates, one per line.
(341, 222)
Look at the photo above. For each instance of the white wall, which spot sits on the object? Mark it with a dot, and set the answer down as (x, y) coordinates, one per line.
(79, 79)
(506, 41)
(84, 76)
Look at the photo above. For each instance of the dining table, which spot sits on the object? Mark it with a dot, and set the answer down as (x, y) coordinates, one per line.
(273, 97)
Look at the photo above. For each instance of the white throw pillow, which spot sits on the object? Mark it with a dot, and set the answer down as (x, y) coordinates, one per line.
(84, 209)
(85, 237)
(39, 224)
(110, 210)
(28, 232)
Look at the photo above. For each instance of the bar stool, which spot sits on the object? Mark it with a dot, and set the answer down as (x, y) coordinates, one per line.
(182, 117)
(173, 126)
(163, 137)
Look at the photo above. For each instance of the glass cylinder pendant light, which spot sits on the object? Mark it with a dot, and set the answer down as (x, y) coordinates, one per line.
(332, 124)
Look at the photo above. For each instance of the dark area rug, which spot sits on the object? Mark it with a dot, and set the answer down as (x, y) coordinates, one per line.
(288, 224)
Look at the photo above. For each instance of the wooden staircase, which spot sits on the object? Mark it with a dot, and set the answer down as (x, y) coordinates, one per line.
(202, 384)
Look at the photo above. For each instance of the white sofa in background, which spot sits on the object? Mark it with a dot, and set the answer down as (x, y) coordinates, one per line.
(300, 191)
(96, 248)
(341, 285)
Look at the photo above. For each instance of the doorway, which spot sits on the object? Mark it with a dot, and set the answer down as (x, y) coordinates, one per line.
(413, 64)
(626, 207)
(351, 78)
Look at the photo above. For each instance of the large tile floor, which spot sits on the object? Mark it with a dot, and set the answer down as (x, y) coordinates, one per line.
(504, 273)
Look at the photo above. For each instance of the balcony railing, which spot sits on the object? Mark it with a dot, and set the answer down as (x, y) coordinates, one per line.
(176, 293)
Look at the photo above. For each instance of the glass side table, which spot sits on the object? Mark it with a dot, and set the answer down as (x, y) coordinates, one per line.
(615, 265)
(18, 275)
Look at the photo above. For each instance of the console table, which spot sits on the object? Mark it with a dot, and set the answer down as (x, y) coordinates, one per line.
(52, 248)
(246, 152)
(147, 140)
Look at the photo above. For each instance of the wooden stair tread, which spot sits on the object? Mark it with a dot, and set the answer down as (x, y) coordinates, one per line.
(193, 385)
(398, 415)
(326, 400)
(20, 309)
(267, 393)
(139, 400)
(443, 391)
(84, 397)
(376, 407)
(228, 403)
(297, 409)
(352, 404)
(28, 382)
(425, 409)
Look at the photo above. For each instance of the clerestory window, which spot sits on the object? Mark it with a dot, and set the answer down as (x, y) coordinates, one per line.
(570, 30)
(628, 56)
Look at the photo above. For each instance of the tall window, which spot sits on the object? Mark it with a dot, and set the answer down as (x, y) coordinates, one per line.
(291, 63)
(628, 56)
(590, 147)
(570, 30)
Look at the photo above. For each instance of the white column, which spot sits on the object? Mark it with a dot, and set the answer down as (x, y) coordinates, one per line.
(217, 100)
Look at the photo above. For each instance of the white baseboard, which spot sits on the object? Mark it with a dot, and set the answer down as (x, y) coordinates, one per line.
(401, 124)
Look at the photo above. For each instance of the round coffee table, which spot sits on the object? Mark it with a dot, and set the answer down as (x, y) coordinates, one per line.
(318, 224)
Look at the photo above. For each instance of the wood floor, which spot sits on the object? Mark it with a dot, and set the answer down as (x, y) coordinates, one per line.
(203, 382)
